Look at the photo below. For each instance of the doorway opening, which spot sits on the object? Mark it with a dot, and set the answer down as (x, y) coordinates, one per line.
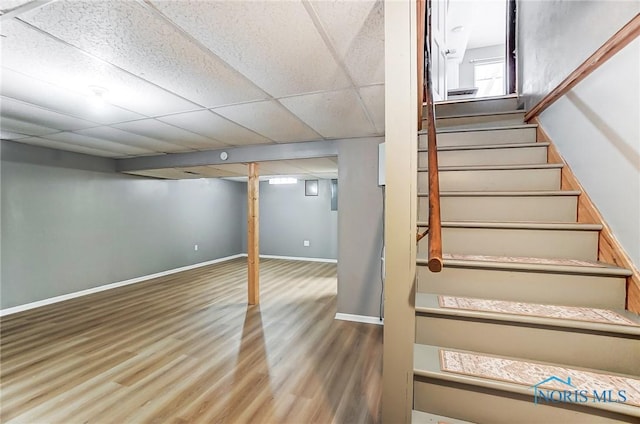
(474, 48)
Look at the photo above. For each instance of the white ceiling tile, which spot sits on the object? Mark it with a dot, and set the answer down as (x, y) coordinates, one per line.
(32, 53)
(210, 172)
(53, 144)
(325, 175)
(209, 124)
(165, 173)
(274, 43)
(278, 167)
(356, 29)
(373, 98)
(27, 89)
(333, 114)
(236, 168)
(269, 119)
(133, 37)
(8, 5)
(124, 137)
(22, 127)
(159, 130)
(8, 135)
(98, 143)
(15, 109)
(316, 165)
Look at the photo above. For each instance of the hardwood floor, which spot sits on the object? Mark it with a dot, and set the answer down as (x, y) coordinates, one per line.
(187, 348)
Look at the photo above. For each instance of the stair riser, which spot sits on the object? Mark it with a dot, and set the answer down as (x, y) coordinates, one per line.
(479, 121)
(494, 180)
(503, 208)
(535, 243)
(477, 138)
(506, 156)
(562, 346)
(484, 106)
(594, 291)
(483, 405)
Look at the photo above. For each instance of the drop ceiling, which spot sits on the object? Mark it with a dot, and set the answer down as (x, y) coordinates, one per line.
(320, 168)
(189, 75)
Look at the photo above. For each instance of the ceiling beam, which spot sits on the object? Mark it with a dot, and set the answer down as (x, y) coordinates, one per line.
(243, 154)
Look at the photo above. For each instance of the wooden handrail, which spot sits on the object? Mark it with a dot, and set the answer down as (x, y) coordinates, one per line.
(613, 45)
(435, 231)
(422, 14)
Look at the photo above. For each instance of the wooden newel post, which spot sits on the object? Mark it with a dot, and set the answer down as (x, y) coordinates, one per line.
(253, 235)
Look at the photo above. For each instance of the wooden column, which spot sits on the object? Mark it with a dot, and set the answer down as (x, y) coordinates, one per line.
(253, 235)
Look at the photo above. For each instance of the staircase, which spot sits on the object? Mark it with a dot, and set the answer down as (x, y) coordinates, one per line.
(521, 298)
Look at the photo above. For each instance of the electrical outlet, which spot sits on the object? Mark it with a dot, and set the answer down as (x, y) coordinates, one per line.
(195, 247)
(306, 243)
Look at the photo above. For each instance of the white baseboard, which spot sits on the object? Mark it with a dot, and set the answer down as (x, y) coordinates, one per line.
(39, 303)
(298, 258)
(360, 318)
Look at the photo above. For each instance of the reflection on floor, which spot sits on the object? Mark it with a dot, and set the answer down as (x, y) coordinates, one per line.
(186, 348)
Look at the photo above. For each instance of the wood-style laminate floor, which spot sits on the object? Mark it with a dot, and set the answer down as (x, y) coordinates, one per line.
(187, 348)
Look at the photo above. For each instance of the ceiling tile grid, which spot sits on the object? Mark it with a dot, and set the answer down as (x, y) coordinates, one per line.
(127, 35)
(273, 43)
(270, 119)
(190, 75)
(26, 112)
(35, 54)
(335, 114)
(209, 124)
(159, 130)
(356, 29)
(18, 86)
(121, 136)
(373, 98)
(53, 144)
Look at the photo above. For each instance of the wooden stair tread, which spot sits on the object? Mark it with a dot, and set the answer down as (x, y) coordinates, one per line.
(472, 115)
(489, 146)
(479, 128)
(559, 266)
(525, 225)
(571, 317)
(474, 99)
(519, 376)
(419, 417)
(496, 167)
(506, 193)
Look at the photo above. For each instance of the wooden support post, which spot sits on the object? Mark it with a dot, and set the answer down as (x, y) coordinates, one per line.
(253, 235)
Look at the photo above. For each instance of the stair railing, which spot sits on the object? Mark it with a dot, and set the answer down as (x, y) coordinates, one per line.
(434, 231)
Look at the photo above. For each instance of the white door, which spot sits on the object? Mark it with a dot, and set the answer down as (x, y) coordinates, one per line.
(438, 48)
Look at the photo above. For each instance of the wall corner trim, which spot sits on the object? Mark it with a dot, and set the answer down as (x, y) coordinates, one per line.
(359, 318)
(61, 298)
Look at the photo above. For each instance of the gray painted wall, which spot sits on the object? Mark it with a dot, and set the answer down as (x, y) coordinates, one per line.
(595, 127)
(555, 37)
(70, 222)
(360, 232)
(288, 217)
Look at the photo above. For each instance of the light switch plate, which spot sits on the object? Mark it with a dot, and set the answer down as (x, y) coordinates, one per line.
(306, 243)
